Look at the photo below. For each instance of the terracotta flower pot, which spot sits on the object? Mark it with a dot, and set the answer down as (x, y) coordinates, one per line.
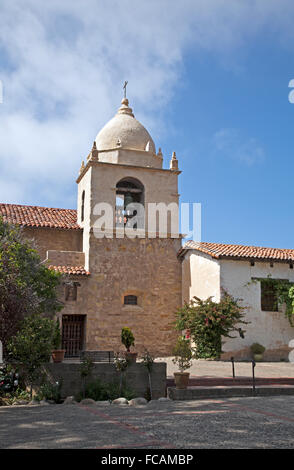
(58, 355)
(131, 356)
(181, 379)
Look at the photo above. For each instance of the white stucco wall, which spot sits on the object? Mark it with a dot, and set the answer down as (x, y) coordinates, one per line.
(200, 276)
(271, 329)
(204, 276)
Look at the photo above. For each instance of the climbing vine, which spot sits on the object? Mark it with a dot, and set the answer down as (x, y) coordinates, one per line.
(283, 290)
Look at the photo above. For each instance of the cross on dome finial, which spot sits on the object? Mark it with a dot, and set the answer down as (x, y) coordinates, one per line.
(125, 89)
(124, 109)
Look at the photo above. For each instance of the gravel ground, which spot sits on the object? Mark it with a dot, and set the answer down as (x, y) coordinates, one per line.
(235, 423)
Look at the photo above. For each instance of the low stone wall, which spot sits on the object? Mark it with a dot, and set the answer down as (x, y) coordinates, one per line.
(136, 377)
(98, 356)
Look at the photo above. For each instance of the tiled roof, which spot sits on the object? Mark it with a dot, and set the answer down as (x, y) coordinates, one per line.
(220, 250)
(35, 216)
(78, 270)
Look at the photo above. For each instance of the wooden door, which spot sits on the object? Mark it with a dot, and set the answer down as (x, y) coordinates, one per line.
(73, 328)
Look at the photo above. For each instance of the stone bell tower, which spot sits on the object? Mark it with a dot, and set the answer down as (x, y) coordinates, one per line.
(134, 281)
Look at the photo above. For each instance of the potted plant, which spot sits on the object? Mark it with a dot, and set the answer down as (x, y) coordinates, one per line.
(128, 340)
(183, 356)
(57, 353)
(257, 351)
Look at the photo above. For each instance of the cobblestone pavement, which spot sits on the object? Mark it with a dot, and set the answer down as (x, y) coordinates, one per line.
(253, 422)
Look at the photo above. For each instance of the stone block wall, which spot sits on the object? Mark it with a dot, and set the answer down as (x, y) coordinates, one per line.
(54, 239)
(65, 258)
(136, 377)
(146, 268)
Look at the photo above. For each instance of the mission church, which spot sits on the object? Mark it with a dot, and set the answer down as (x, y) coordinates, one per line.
(140, 282)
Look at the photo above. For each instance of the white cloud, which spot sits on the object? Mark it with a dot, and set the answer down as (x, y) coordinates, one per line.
(230, 143)
(64, 63)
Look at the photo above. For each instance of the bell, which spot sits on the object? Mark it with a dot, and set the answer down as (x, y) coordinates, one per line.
(128, 200)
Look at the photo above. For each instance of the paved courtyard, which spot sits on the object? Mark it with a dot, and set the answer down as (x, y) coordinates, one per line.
(205, 368)
(253, 422)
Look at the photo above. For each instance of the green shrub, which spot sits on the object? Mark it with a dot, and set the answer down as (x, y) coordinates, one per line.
(208, 321)
(114, 391)
(49, 391)
(100, 391)
(96, 390)
(257, 348)
(21, 394)
(127, 338)
(32, 345)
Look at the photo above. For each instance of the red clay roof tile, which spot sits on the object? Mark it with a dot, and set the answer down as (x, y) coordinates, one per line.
(221, 250)
(78, 270)
(35, 216)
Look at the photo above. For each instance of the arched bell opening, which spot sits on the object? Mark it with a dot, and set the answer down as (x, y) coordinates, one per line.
(129, 203)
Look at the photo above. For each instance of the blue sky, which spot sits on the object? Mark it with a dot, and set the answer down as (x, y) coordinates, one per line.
(209, 79)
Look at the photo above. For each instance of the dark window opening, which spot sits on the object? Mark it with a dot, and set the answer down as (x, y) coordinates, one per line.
(269, 297)
(130, 300)
(83, 206)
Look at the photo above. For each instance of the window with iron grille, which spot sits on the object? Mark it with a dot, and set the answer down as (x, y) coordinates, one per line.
(73, 333)
(130, 300)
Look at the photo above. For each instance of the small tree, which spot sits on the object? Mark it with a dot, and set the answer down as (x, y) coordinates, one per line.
(183, 353)
(57, 337)
(32, 345)
(127, 338)
(26, 285)
(121, 365)
(85, 371)
(147, 361)
(207, 321)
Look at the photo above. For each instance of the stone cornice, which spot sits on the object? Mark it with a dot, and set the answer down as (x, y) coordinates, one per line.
(140, 233)
(91, 163)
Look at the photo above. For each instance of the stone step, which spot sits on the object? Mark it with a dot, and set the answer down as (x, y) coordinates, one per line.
(195, 393)
(233, 382)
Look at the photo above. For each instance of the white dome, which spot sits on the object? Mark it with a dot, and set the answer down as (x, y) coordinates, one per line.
(124, 131)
